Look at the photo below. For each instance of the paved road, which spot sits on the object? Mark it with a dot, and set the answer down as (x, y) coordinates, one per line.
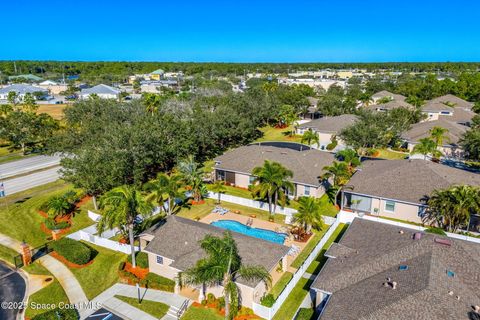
(23, 166)
(12, 289)
(31, 180)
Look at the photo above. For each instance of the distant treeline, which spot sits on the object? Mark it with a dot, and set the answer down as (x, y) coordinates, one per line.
(120, 70)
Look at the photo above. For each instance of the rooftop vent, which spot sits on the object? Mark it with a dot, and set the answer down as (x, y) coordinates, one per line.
(444, 242)
(450, 274)
(417, 236)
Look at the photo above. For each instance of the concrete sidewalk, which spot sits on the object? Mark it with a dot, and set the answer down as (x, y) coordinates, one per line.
(107, 299)
(66, 278)
(11, 243)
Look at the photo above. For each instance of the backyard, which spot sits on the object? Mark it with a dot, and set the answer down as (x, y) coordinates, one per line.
(275, 134)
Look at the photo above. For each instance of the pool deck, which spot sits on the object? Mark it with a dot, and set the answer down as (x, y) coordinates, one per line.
(262, 224)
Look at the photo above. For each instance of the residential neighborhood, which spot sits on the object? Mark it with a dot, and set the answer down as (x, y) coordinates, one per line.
(209, 161)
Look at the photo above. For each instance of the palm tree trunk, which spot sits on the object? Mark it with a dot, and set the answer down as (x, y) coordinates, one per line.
(219, 194)
(94, 199)
(132, 246)
(269, 203)
(227, 305)
(275, 203)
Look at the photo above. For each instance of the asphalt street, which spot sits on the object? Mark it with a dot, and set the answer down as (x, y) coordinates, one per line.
(31, 180)
(15, 168)
(12, 291)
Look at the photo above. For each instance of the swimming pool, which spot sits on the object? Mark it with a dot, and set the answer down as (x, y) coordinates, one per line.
(264, 234)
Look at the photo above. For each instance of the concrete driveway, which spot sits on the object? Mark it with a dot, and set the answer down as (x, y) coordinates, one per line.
(12, 289)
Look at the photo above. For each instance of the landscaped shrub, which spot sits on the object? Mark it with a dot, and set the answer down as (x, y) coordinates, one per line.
(52, 225)
(220, 303)
(210, 298)
(154, 281)
(304, 314)
(141, 258)
(74, 251)
(436, 231)
(332, 145)
(267, 300)
(57, 314)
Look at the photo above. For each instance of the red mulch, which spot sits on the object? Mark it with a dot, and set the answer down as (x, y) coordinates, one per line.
(222, 312)
(68, 263)
(197, 202)
(82, 201)
(49, 232)
(140, 273)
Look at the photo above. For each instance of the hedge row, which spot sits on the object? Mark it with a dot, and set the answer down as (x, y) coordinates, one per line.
(74, 251)
(51, 224)
(57, 314)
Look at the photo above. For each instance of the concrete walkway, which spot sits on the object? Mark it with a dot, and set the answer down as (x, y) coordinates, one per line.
(11, 243)
(66, 278)
(107, 299)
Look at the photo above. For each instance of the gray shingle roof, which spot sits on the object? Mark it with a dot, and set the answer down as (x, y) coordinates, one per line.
(100, 89)
(178, 239)
(435, 106)
(406, 180)
(422, 292)
(385, 93)
(330, 124)
(391, 105)
(22, 89)
(422, 130)
(456, 101)
(306, 165)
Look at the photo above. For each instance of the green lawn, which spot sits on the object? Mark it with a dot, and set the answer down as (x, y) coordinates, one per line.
(309, 248)
(203, 210)
(327, 209)
(281, 284)
(403, 221)
(391, 155)
(233, 191)
(197, 313)
(274, 134)
(6, 155)
(20, 218)
(295, 298)
(156, 309)
(102, 273)
(7, 254)
(318, 263)
(51, 294)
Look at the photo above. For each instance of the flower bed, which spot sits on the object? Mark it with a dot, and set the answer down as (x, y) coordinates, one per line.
(138, 272)
(150, 280)
(218, 305)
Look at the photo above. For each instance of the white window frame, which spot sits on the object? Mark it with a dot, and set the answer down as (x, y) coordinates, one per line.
(306, 190)
(161, 258)
(389, 202)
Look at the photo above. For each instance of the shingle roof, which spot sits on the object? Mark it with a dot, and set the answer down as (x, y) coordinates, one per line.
(391, 105)
(178, 239)
(22, 89)
(422, 130)
(100, 89)
(330, 124)
(433, 106)
(456, 101)
(422, 292)
(385, 93)
(306, 165)
(406, 180)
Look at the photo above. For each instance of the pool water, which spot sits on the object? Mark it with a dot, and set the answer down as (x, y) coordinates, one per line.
(268, 235)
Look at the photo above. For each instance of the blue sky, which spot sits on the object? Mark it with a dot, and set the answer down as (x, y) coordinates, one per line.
(242, 31)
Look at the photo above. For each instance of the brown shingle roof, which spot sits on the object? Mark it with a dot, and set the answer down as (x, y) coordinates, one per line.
(456, 101)
(406, 180)
(178, 239)
(394, 104)
(306, 165)
(330, 124)
(385, 93)
(422, 292)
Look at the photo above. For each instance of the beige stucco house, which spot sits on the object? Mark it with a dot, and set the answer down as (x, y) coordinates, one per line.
(173, 246)
(399, 188)
(235, 166)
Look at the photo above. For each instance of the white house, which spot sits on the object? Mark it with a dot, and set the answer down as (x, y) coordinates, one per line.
(22, 89)
(102, 91)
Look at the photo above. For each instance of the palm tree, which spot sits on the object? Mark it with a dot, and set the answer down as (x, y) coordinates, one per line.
(339, 173)
(437, 134)
(152, 102)
(192, 174)
(309, 213)
(223, 264)
(271, 182)
(451, 208)
(121, 206)
(365, 98)
(310, 137)
(58, 206)
(350, 157)
(218, 187)
(415, 101)
(426, 146)
(165, 190)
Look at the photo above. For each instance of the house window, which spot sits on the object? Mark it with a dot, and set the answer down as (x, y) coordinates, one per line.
(390, 206)
(159, 259)
(421, 211)
(251, 180)
(307, 191)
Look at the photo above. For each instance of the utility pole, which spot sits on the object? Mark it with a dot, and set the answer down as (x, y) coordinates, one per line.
(15, 67)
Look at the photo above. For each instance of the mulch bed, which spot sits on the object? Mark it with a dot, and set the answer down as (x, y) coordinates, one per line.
(197, 202)
(68, 263)
(221, 312)
(140, 273)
